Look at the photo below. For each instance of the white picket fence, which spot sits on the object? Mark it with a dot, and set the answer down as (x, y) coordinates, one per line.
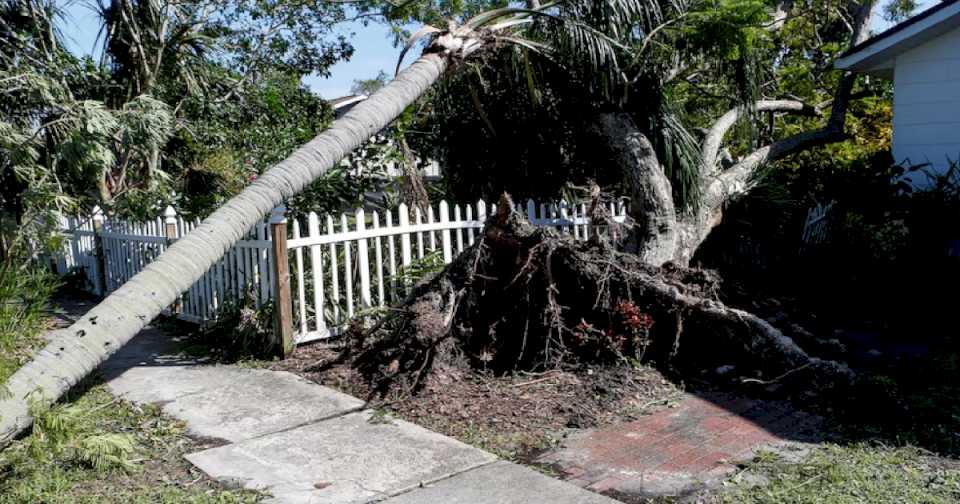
(338, 266)
(242, 273)
(357, 262)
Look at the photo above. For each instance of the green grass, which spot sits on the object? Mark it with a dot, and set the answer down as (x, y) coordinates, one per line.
(24, 295)
(851, 474)
(95, 448)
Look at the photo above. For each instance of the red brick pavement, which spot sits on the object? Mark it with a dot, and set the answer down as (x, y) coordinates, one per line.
(682, 449)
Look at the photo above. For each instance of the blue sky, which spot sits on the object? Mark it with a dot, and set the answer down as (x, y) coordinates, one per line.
(373, 50)
(373, 45)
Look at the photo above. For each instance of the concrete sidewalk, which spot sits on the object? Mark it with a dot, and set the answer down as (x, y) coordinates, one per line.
(305, 443)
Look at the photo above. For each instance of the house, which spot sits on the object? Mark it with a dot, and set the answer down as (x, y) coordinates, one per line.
(922, 57)
(343, 104)
(380, 159)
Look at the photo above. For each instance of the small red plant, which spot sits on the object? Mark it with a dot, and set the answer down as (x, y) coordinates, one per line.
(627, 333)
(632, 316)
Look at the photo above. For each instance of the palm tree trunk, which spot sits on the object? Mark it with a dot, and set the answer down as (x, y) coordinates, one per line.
(77, 350)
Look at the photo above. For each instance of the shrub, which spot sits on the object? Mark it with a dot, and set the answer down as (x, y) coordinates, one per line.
(24, 296)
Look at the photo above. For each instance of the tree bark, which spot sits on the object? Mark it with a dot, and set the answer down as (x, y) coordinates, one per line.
(715, 135)
(77, 350)
(654, 236)
(414, 189)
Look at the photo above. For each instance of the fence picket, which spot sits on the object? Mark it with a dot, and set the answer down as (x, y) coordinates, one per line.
(417, 222)
(445, 233)
(458, 230)
(481, 211)
(392, 252)
(433, 234)
(378, 258)
(316, 268)
(335, 282)
(405, 237)
(347, 267)
(301, 289)
(469, 212)
(262, 266)
(363, 260)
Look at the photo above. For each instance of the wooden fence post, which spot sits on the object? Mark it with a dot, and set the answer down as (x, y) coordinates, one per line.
(170, 233)
(101, 277)
(283, 303)
(170, 224)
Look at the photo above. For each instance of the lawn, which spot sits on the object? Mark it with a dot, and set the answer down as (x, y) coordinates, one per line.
(896, 440)
(849, 474)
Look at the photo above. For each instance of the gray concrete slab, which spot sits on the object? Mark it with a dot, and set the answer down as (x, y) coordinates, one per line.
(232, 403)
(162, 384)
(500, 483)
(256, 402)
(354, 458)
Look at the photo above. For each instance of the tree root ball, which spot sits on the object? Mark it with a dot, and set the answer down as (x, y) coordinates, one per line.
(532, 299)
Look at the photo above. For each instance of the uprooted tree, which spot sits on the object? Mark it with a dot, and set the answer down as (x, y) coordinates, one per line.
(527, 299)
(548, 265)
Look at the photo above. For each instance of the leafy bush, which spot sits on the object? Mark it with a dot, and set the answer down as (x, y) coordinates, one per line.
(242, 331)
(24, 296)
(884, 238)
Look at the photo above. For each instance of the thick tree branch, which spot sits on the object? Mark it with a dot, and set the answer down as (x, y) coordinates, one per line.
(715, 135)
(736, 180)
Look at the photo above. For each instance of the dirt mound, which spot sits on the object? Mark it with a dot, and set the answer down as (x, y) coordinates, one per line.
(531, 299)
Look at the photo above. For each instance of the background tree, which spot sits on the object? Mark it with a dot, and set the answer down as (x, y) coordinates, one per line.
(186, 93)
(370, 86)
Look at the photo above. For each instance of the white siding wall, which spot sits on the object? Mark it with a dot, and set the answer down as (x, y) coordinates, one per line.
(926, 110)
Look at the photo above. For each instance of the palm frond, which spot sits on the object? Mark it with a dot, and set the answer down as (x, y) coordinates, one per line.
(424, 31)
(678, 150)
(104, 451)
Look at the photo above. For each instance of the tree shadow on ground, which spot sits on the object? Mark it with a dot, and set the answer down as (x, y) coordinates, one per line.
(905, 394)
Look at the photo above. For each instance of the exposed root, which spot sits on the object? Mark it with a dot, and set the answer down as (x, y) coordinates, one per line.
(531, 299)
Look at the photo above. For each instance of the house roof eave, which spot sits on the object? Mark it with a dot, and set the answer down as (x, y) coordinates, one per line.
(879, 51)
